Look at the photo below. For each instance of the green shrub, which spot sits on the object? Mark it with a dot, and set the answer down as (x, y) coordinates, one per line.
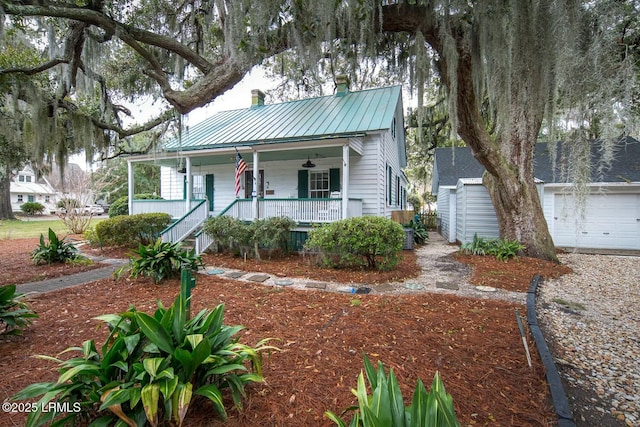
(374, 242)
(32, 208)
(272, 234)
(385, 405)
(91, 237)
(149, 369)
(502, 249)
(131, 230)
(420, 233)
(56, 250)
(234, 235)
(14, 313)
(121, 205)
(229, 234)
(162, 260)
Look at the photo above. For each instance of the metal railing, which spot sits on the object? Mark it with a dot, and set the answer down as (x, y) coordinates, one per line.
(187, 224)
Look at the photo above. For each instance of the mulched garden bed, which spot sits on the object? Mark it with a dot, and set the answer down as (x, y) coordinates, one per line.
(474, 344)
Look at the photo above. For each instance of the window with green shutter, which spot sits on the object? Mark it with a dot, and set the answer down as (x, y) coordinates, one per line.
(334, 180)
(303, 184)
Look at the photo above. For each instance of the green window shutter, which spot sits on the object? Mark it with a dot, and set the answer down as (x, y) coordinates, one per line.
(334, 179)
(389, 184)
(184, 187)
(303, 184)
(208, 184)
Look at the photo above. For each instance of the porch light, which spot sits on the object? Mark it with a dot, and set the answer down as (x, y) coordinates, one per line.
(308, 164)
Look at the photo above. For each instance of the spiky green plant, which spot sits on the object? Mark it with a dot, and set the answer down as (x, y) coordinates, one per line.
(385, 405)
(161, 260)
(149, 369)
(55, 250)
(15, 314)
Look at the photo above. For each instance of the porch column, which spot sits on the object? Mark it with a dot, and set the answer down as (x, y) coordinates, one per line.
(345, 180)
(189, 194)
(254, 191)
(130, 185)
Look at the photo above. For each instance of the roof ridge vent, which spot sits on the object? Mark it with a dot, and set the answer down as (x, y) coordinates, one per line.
(342, 85)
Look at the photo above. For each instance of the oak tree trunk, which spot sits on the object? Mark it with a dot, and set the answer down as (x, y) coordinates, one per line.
(5, 195)
(520, 215)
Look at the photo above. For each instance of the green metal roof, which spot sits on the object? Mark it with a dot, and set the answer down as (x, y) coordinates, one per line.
(332, 116)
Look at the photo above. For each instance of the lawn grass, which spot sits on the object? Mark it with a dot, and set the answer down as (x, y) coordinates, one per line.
(32, 227)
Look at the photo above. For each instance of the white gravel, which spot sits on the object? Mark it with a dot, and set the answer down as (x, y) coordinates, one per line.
(593, 317)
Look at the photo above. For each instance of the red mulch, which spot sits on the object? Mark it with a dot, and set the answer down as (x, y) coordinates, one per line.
(474, 344)
(512, 275)
(16, 265)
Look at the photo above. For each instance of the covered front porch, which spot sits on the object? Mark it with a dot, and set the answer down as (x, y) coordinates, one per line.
(308, 182)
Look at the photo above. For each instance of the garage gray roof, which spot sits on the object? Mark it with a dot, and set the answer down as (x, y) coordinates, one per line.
(452, 164)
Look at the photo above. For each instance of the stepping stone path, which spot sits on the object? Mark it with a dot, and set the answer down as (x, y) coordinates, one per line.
(447, 285)
(316, 285)
(236, 274)
(258, 278)
(383, 288)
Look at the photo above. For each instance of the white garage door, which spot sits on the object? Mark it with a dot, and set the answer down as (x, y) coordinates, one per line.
(612, 221)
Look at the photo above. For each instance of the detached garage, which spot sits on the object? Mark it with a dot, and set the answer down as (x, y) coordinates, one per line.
(611, 221)
(611, 210)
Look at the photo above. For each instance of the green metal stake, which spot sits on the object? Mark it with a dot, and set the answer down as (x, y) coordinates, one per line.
(186, 284)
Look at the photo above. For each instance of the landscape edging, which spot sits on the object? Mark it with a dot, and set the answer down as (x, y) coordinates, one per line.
(558, 395)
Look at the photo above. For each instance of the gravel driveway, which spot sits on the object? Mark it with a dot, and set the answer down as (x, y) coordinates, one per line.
(591, 320)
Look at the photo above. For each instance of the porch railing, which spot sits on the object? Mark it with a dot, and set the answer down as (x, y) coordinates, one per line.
(203, 241)
(300, 210)
(180, 229)
(175, 208)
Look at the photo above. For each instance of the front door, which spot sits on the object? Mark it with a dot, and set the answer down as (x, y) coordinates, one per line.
(248, 184)
(208, 189)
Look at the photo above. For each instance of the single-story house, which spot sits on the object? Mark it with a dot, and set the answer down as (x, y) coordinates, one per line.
(313, 160)
(611, 206)
(25, 187)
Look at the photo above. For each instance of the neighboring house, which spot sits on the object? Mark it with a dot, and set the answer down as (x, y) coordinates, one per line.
(314, 160)
(26, 187)
(611, 206)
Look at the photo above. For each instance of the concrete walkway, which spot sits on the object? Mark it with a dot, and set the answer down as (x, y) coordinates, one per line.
(73, 279)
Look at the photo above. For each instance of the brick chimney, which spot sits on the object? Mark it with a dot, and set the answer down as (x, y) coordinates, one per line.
(257, 98)
(342, 85)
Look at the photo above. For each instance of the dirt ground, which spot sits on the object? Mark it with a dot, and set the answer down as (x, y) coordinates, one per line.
(474, 344)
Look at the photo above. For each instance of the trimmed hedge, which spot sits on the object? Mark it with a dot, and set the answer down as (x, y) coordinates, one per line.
(131, 230)
(32, 208)
(366, 241)
(233, 235)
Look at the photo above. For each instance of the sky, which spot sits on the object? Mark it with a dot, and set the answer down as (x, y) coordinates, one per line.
(237, 97)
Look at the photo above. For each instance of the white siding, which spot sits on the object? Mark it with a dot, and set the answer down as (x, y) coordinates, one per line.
(391, 157)
(366, 177)
(171, 184)
(446, 210)
(475, 213)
